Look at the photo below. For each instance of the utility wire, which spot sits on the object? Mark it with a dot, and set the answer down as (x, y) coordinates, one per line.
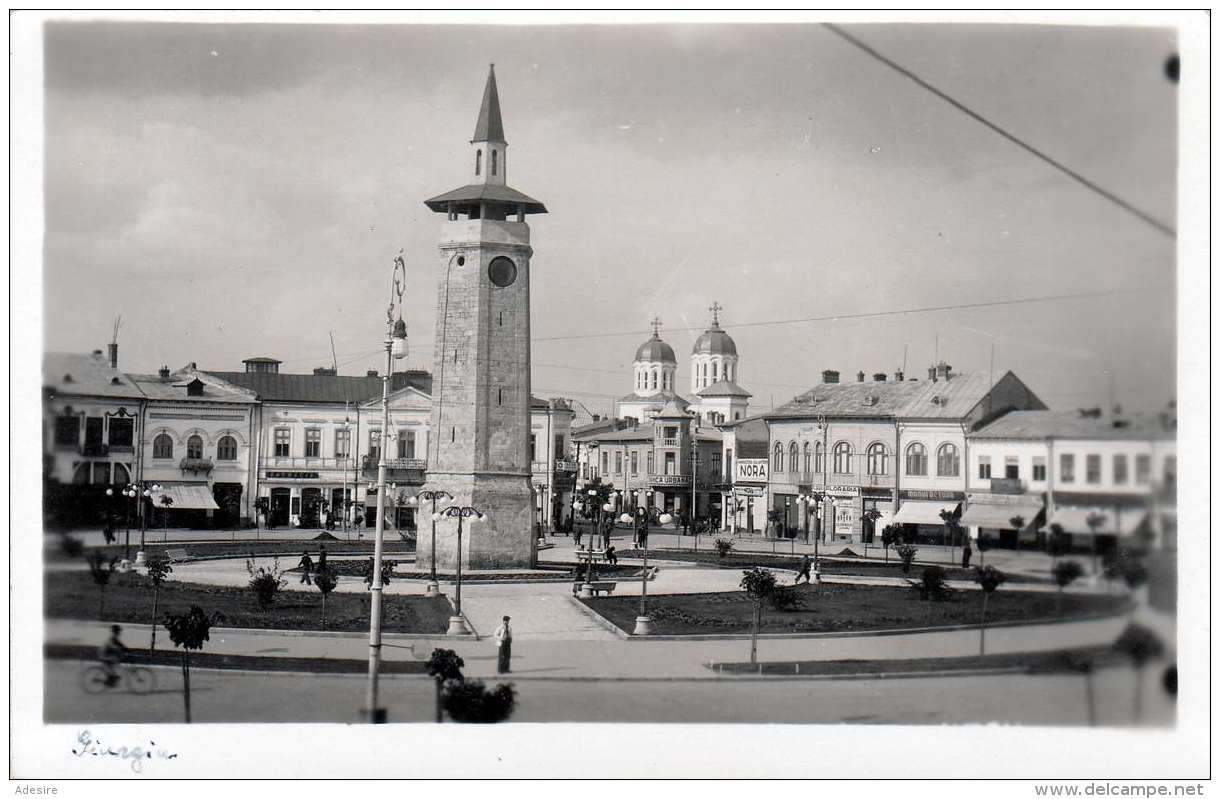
(1168, 230)
(874, 314)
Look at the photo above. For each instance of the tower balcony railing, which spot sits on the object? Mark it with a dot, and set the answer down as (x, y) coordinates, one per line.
(669, 442)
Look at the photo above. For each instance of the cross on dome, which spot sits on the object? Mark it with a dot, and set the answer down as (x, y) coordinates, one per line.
(716, 308)
(656, 326)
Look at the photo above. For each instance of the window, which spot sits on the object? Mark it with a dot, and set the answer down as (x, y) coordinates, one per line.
(635, 463)
(121, 432)
(715, 463)
(560, 452)
(618, 463)
(163, 446)
(665, 380)
(819, 458)
(93, 431)
(878, 459)
(671, 432)
(842, 454)
(226, 449)
(778, 464)
(1143, 469)
(313, 442)
(343, 443)
(194, 447)
(793, 466)
(494, 160)
(984, 467)
(478, 162)
(1012, 469)
(671, 463)
(101, 474)
(917, 459)
(1170, 470)
(375, 444)
(534, 447)
(605, 463)
(406, 443)
(808, 458)
(1120, 469)
(652, 463)
(1039, 469)
(283, 442)
(67, 431)
(654, 379)
(948, 464)
(715, 368)
(1092, 469)
(1067, 468)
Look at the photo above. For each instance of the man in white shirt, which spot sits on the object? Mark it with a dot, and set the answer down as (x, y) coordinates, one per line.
(504, 641)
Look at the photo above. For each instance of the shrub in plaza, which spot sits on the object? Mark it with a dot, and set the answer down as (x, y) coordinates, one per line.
(101, 569)
(889, 537)
(1017, 523)
(784, 598)
(444, 665)
(1058, 542)
(932, 585)
(1065, 573)
(189, 630)
(469, 701)
(325, 580)
(1140, 644)
(758, 584)
(907, 553)
(989, 579)
(72, 547)
(723, 546)
(265, 582)
(158, 569)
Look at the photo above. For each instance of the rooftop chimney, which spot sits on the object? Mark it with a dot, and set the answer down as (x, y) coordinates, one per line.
(114, 355)
(325, 370)
(97, 353)
(859, 377)
(943, 370)
(371, 373)
(898, 376)
(879, 377)
(830, 376)
(163, 373)
(932, 373)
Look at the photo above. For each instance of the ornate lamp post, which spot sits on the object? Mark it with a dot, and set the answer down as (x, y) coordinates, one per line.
(395, 349)
(433, 588)
(457, 622)
(813, 503)
(135, 491)
(643, 623)
(586, 590)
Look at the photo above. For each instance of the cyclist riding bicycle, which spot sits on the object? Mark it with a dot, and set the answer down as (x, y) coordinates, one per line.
(111, 654)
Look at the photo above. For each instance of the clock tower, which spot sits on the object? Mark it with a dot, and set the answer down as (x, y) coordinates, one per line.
(479, 449)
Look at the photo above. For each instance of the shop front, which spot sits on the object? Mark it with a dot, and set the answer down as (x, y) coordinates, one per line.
(922, 514)
(881, 501)
(1003, 519)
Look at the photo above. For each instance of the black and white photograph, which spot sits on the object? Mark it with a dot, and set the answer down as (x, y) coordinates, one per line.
(655, 395)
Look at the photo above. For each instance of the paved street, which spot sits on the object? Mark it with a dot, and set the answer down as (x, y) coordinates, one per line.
(234, 697)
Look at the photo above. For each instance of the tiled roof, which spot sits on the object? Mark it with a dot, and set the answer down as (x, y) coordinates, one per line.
(644, 432)
(723, 388)
(84, 374)
(953, 398)
(477, 192)
(660, 398)
(1041, 425)
(175, 387)
(331, 389)
(850, 399)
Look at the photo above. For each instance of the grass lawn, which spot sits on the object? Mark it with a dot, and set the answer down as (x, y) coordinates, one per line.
(839, 608)
(1041, 662)
(128, 598)
(864, 568)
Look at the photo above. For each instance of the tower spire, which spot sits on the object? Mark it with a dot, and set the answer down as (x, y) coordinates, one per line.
(490, 126)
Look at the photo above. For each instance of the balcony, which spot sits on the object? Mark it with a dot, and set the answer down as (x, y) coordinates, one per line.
(196, 465)
(669, 479)
(668, 442)
(95, 450)
(308, 463)
(1007, 485)
(398, 470)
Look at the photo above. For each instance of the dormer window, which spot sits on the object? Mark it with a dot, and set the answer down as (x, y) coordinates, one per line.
(478, 162)
(194, 388)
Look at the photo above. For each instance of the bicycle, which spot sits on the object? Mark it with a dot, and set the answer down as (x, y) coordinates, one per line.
(139, 679)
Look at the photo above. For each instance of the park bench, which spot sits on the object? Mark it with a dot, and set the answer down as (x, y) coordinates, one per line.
(600, 587)
(598, 555)
(177, 555)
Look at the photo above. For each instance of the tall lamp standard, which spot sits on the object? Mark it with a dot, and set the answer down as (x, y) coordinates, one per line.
(135, 491)
(586, 590)
(812, 503)
(457, 622)
(395, 349)
(433, 588)
(643, 622)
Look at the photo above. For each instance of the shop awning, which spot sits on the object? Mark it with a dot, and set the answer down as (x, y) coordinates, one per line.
(983, 514)
(1075, 520)
(912, 512)
(194, 497)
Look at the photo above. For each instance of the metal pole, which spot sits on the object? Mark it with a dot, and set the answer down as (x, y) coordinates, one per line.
(694, 479)
(371, 708)
(432, 573)
(457, 596)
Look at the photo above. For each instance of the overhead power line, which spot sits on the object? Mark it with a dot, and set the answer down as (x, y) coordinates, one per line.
(1162, 227)
(874, 314)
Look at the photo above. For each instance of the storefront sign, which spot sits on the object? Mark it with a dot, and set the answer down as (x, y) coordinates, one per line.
(748, 491)
(933, 496)
(845, 518)
(750, 470)
(292, 475)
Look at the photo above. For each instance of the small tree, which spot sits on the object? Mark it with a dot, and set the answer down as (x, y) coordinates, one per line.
(1057, 542)
(989, 579)
(1066, 572)
(949, 520)
(758, 584)
(1095, 521)
(158, 569)
(1018, 524)
(189, 630)
(325, 580)
(101, 569)
(166, 502)
(265, 582)
(1141, 645)
(723, 546)
(907, 553)
(469, 701)
(889, 537)
(932, 585)
(444, 665)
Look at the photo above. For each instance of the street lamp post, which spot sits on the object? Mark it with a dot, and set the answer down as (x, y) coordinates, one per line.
(395, 349)
(457, 622)
(433, 588)
(586, 590)
(138, 492)
(643, 622)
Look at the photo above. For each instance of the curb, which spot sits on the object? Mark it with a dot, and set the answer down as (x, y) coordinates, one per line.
(601, 620)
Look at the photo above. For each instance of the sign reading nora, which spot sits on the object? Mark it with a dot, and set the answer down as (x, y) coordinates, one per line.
(751, 470)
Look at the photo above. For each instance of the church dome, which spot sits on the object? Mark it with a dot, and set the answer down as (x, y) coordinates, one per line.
(714, 341)
(656, 350)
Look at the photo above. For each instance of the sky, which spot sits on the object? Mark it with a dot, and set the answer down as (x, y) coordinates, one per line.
(242, 190)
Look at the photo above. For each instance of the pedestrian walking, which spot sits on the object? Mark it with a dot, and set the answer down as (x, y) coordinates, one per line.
(607, 527)
(504, 643)
(322, 558)
(644, 537)
(576, 533)
(806, 563)
(966, 553)
(306, 567)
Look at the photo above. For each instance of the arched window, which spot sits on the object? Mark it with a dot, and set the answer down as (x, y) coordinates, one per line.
(808, 458)
(654, 378)
(778, 460)
(81, 476)
(163, 446)
(226, 449)
(194, 447)
(478, 162)
(715, 368)
(793, 466)
(494, 160)
(948, 464)
(917, 459)
(842, 458)
(665, 380)
(121, 475)
(878, 459)
(819, 458)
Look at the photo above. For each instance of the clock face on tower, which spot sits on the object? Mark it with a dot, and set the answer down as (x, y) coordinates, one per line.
(502, 271)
